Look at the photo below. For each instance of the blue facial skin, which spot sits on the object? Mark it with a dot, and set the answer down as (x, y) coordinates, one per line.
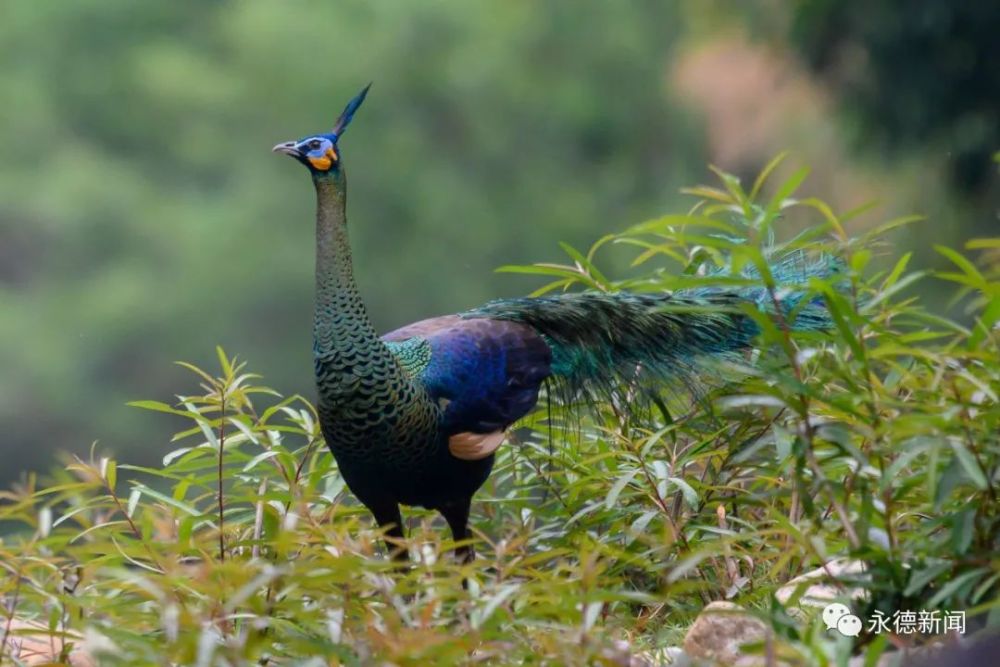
(317, 147)
(318, 152)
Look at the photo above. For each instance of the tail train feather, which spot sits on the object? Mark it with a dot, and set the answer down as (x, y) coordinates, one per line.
(603, 341)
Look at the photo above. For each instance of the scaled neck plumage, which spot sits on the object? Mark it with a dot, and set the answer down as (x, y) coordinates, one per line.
(361, 385)
(341, 322)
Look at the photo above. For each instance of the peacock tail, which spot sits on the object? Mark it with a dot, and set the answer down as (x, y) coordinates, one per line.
(604, 342)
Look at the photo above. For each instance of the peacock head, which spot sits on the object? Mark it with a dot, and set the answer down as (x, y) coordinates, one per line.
(319, 152)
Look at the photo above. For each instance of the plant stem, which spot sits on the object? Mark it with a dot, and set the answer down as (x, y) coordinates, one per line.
(10, 617)
(258, 521)
(222, 447)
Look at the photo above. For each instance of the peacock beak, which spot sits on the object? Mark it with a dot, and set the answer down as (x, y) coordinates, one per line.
(288, 148)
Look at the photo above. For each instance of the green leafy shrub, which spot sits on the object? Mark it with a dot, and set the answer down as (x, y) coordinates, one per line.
(598, 536)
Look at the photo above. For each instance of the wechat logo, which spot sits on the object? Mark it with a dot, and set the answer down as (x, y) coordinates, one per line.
(838, 617)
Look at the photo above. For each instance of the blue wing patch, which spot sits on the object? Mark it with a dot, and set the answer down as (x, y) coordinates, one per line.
(486, 372)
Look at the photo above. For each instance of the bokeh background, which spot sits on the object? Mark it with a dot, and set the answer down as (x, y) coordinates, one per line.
(143, 219)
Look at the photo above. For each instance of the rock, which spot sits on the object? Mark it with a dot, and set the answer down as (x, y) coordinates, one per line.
(981, 651)
(887, 659)
(671, 656)
(621, 655)
(719, 632)
(32, 644)
(819, 592)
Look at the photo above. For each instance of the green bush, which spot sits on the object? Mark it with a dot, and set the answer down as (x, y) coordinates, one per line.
(600, 533)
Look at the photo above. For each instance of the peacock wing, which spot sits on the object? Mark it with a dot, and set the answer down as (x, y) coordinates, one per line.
(485, 374)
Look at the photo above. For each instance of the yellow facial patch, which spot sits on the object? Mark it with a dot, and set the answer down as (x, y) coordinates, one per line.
(325, 161)
(320, 163)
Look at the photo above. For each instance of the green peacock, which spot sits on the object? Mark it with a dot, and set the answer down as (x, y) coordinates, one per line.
(414, 417)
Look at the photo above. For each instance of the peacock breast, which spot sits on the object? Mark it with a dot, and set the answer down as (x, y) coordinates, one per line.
(393, 428)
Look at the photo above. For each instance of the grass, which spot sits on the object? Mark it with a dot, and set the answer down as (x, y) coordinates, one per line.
(599, 534)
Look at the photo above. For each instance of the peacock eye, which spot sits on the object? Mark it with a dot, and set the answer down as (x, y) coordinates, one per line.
(315, 144)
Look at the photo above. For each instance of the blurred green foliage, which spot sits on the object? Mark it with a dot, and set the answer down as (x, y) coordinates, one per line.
(878, 441)
(915, 75)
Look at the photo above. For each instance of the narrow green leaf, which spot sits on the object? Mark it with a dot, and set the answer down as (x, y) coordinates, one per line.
(785, 190)
(616, 489)
(690, 495)
(481, 615)
(970, 465)
(224, 362)
(158, 406)
(950, 588)
(765, 173)
(983, 244)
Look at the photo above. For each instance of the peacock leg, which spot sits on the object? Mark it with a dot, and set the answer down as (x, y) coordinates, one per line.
(457, 516)
(388, 518)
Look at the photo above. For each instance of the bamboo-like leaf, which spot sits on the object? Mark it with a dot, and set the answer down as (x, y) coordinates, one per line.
(784, 191)
(969, 464)
(158, 406)
(765, 173)
(483, 614)
(690, 495)
(734, 188)
(710, 193)
(619, 485)
(167, 500)
(983, 244)
(972, 276)
(194, 369)
(224, 362)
